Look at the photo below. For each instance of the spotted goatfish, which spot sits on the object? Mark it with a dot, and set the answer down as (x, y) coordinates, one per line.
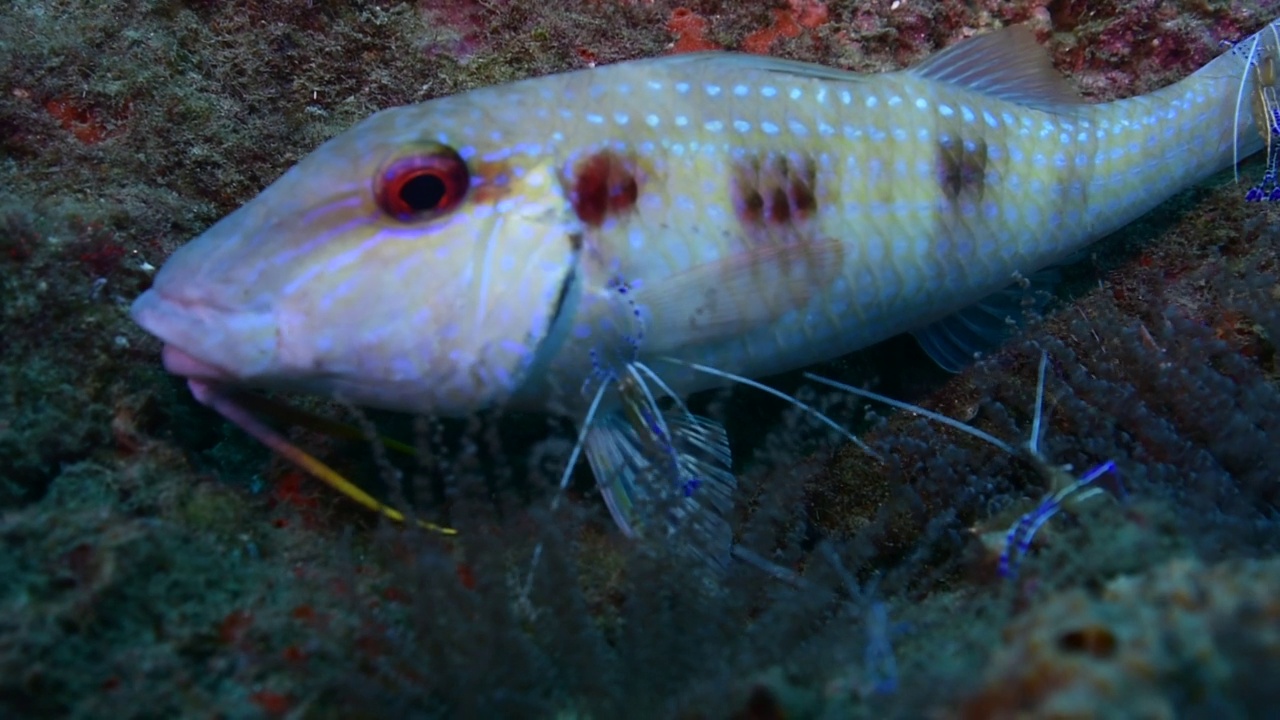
(593, 242)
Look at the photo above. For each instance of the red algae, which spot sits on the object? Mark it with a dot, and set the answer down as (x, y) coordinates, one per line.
(274, 704)
(466, 20)
(84, 123)
(810, 15)
(690, 30)
(788, 23)
(784, 26)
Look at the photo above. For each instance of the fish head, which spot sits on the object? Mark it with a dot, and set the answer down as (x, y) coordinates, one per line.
(418, 262)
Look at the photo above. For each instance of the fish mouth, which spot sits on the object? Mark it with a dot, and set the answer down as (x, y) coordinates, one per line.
(205, 342)
(181, 363)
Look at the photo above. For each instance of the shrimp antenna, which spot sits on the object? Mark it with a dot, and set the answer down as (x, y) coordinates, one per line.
(916, 409)
(648, 372)
(1033, 444)
(707, 369)
(577, 446)
(1235, 137)
(565, 477)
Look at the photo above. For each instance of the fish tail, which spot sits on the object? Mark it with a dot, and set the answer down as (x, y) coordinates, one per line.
(1153, 145)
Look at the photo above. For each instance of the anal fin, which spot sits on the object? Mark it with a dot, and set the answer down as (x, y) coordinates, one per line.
(958, 339)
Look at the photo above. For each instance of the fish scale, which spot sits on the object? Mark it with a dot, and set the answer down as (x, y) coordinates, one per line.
(586, 243)
(1054, 181)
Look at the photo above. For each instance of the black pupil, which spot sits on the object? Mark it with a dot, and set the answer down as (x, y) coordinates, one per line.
(423, 192)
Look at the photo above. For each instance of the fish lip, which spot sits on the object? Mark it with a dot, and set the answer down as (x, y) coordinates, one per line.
(183, 364)
(200, 340)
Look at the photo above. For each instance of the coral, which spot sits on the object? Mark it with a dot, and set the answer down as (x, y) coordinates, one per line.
(1182, 639)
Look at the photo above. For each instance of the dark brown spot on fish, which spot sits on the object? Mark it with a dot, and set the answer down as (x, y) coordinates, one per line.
(752, 206)
(604, 184)
(774, 189)
(779, 210)
(962, 168)
(776, 196)
(802, 199)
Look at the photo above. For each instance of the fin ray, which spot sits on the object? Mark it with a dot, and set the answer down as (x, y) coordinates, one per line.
(736, 62)
(956, 340)
(1008, 64)
(740, 283)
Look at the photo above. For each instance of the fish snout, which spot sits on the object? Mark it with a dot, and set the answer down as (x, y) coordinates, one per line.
(207, 342)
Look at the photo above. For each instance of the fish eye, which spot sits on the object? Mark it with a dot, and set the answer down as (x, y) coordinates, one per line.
(427, 184)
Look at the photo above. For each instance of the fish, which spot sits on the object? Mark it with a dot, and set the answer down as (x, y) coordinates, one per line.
(602, 243)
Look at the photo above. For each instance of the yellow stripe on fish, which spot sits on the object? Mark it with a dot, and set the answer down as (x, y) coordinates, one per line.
(589, 242)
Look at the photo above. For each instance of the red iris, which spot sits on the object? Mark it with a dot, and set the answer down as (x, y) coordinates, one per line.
(424, 185)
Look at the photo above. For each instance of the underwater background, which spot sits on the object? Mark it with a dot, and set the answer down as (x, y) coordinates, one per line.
(155, 562)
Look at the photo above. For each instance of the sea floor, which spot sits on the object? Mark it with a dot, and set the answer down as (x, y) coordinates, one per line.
(155, 562)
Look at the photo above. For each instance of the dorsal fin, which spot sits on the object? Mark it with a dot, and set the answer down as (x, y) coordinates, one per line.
(1008, 64)
(732, 62)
